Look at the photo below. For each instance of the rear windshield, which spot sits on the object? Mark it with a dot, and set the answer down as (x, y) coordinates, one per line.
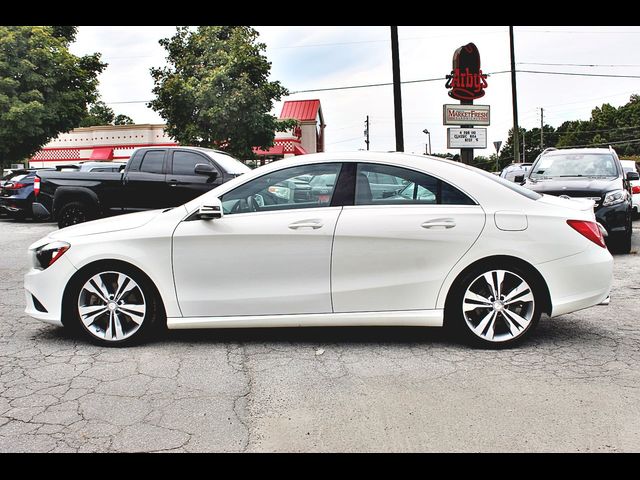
(510, 185)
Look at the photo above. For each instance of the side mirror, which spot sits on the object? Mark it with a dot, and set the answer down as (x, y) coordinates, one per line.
(518, 179)
(206, 169)
(211, 210)
(633, 176)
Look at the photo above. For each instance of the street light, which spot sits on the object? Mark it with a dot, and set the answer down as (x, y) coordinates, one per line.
(429, 144)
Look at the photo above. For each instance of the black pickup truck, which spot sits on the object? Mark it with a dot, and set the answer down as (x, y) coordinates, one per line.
(154, 177)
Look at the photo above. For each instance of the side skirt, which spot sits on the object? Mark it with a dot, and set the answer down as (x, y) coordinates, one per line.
(413, 318)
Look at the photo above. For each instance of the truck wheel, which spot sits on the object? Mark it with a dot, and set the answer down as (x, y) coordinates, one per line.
(73, 213)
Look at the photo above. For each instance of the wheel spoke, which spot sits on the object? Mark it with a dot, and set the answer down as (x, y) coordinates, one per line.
(89, 314)
(108, 334)
(488, 277)
(118, 326)
(131, 286)
(121, 282)
(138, 310)
(91, 287)
(514, 317)
(489, 318)
(515, 292)
(499, 279)
(525, 297)
(472, 301)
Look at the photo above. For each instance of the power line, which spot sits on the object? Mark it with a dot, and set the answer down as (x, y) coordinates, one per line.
(634, 32)
(579, 74)
(635, 140)
(581, 64)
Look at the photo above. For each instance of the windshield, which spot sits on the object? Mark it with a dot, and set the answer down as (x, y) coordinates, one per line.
(575, 165)
(228, 163)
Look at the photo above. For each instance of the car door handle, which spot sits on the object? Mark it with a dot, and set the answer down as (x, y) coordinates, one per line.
(174, 183)
(306, 224)
(439, 223)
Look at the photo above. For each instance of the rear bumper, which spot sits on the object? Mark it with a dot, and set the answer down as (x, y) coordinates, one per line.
(13, 204)
(40, 211)
(579, 281)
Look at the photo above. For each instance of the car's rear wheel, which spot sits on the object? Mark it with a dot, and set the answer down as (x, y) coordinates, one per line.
(113, 306)
(73, 213)
(495, 306)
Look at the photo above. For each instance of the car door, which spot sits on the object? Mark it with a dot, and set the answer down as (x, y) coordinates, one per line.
(393, 253)
(184, 183)
(145, 185)
(269, 254)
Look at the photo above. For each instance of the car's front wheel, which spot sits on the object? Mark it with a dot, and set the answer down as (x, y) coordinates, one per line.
(495, 306)
(113, 306)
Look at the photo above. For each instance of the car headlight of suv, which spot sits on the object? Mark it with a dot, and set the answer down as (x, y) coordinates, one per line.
(615, 197)
(46, 255)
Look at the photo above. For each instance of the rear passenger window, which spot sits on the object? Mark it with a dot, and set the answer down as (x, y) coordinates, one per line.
(389, 185)
(152, 161)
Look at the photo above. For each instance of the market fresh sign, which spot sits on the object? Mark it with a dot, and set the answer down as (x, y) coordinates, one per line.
(467, 138)
(466, 115)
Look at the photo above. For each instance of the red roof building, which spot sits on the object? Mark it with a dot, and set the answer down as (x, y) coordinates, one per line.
(306, 137)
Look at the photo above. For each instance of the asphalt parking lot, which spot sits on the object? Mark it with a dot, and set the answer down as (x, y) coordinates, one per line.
(574, 387)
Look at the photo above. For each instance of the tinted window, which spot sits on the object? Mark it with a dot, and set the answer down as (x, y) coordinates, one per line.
(184, 163)
(281, 190)
(152, 161)
(388, 185)
(134, 162)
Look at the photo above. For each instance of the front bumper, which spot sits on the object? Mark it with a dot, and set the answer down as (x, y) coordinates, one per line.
(47, 286)
(614, 218)
(578, 281)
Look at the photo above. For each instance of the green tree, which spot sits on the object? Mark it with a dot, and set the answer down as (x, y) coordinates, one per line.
(531, 143)
(98, 114)
(123, 120)
(44, 89)
(101, 114)
(215, 91)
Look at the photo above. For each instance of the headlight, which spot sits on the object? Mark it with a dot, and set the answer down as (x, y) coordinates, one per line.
(49, 253)
(615, 197)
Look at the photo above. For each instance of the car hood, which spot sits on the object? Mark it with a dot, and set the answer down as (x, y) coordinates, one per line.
(584, 186)
(110, 224)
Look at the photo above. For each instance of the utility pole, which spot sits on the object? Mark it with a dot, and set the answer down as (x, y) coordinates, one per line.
(541, 129)
(524, 145)
(514, 99)
(397, 95)
(366, 132)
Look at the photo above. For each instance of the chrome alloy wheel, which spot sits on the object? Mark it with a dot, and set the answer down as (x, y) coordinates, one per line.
(111, 306)
(498, 306)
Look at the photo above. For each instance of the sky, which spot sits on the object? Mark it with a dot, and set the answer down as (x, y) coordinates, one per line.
(305, 58)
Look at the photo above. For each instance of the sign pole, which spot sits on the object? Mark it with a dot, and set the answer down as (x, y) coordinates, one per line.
(466, 154)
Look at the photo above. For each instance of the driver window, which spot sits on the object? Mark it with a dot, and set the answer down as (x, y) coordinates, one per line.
(305, 186)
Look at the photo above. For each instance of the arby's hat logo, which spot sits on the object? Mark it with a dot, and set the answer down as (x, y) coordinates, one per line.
(467, 82)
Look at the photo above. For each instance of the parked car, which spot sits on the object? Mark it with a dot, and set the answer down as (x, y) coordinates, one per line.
(632, 166)
(594, 174)
(154, 177)
(486, 258)
(510, 172)
(16, 193)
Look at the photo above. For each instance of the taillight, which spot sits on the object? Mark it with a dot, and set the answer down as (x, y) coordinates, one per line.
(36, 185)
(635, 189)
(14, 186)
(589, 230)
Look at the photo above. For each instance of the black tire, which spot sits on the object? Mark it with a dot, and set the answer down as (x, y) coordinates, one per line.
(97, 332)
(621, 242)
(460, 323)
(73, 213)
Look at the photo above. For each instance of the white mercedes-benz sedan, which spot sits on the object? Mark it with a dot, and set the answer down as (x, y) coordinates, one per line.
(329, 239)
